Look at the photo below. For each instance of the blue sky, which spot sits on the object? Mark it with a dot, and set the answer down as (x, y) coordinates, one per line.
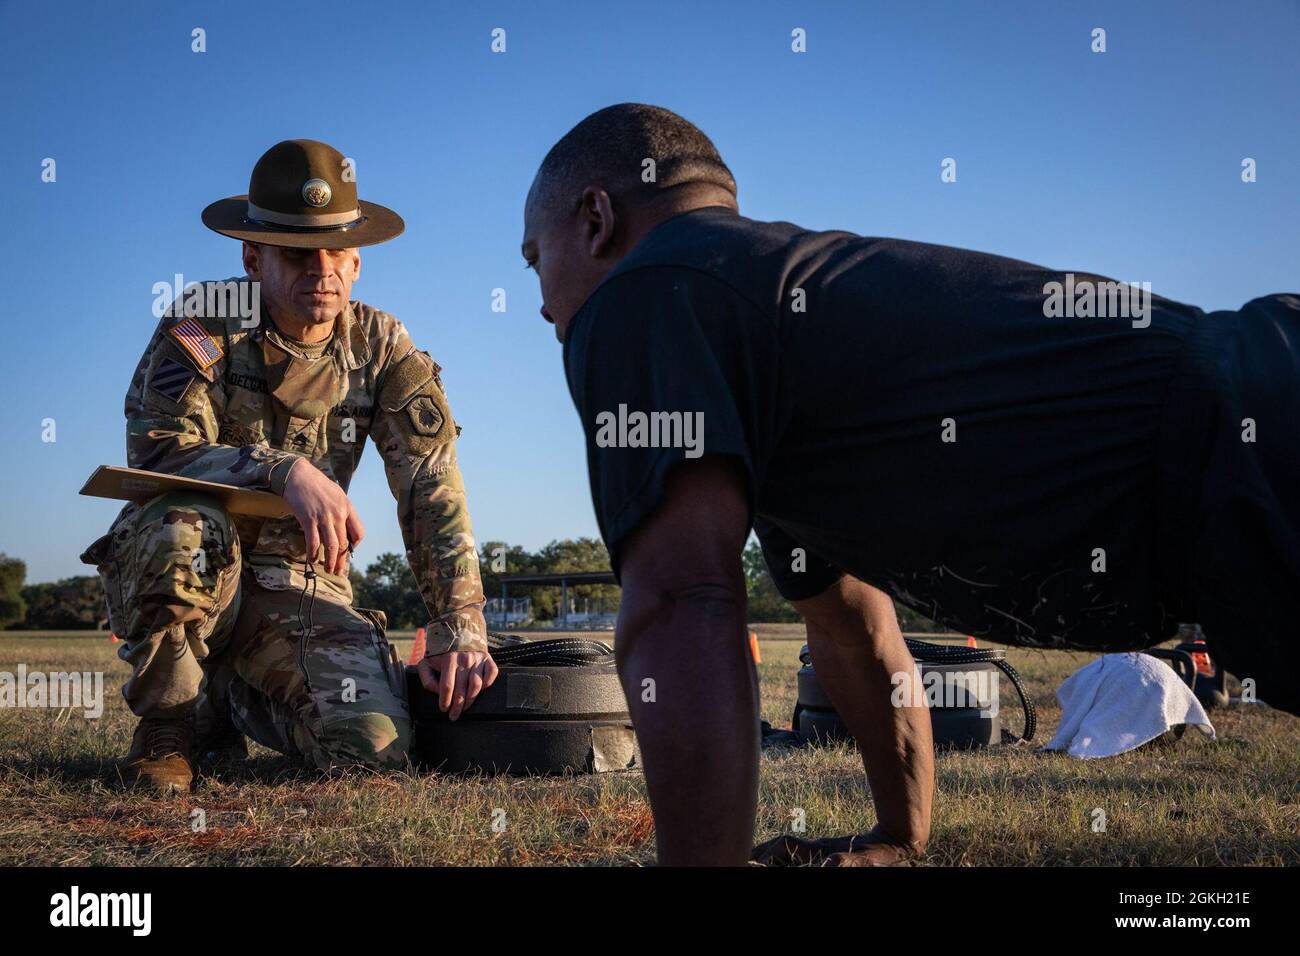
(1125, 163)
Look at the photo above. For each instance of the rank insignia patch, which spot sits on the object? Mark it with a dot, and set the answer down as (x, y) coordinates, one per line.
(194, 339)
(170, 379)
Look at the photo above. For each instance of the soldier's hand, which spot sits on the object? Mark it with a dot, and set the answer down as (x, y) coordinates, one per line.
(457, 677)
(325, 513)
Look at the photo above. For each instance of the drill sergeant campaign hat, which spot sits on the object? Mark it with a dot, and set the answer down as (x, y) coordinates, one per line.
(303, 194)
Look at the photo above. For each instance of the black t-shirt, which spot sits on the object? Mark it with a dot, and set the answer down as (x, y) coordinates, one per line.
(907, 413)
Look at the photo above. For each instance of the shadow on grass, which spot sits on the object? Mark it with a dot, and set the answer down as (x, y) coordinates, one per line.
(79, 772)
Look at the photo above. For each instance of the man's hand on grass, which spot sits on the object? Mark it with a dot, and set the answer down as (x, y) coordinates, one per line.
(457, 677)
(325, 513)
(867, 849)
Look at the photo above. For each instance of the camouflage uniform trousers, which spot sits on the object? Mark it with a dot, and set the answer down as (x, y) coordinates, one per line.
(205, 631)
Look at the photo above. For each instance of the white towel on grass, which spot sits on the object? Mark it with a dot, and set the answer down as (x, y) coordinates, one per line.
(1119, 702)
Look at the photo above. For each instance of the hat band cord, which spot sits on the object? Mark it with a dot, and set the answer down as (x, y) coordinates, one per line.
(333, 220)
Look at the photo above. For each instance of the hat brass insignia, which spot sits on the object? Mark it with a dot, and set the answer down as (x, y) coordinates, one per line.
(316, 192)
(295, 200)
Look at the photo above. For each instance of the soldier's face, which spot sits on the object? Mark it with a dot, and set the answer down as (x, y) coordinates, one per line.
(304, 287)
(571, 252)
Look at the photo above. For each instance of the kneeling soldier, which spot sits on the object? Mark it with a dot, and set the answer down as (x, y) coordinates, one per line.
(244, 626)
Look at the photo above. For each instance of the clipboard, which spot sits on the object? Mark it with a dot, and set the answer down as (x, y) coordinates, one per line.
(135, 484)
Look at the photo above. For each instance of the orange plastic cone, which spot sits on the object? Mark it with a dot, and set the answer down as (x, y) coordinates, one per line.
(417, 649)
(1202, 660)
(753, 648)
(970, 641)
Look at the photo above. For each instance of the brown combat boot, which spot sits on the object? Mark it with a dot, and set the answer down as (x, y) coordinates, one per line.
(159, 758)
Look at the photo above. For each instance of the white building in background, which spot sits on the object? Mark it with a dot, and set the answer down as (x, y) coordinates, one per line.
(508, 612)
(572, 613)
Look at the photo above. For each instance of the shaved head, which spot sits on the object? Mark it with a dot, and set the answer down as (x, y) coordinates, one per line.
(611, 147)
(609, 181)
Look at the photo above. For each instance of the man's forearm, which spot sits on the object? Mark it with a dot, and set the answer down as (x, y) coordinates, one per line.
(157, 442)
(461, 629)
(857, 649)
(446, 568)
(693, 694)
(434, 518)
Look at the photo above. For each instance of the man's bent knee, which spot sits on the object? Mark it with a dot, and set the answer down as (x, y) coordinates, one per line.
(185, 552)
(172, 559)
(374, 741)
(170, 570)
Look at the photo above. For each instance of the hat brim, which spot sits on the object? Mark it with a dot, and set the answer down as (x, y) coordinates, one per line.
(230, 218)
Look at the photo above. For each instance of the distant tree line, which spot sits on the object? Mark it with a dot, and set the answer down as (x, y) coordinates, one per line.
(77, 603)
(496, 558)
(388, 585)
(72, 604)
(13, 573)
(768, 607)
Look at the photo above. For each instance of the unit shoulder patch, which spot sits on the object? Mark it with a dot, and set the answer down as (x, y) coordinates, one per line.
(426, 416)
(171, 379)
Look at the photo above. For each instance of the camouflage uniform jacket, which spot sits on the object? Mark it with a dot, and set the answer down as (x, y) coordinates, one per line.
(212, 399)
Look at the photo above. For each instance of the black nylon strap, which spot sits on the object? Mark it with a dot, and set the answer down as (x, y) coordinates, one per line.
(554, 652)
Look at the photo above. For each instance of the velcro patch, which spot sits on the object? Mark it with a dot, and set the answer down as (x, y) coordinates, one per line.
(405, 379)
(195, 339)
(170, 379)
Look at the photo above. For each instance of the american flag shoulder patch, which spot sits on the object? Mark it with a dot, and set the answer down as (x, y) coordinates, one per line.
(195, 339)
(170, 379)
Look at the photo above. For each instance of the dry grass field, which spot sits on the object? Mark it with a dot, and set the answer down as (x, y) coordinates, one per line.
(1197, 802)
